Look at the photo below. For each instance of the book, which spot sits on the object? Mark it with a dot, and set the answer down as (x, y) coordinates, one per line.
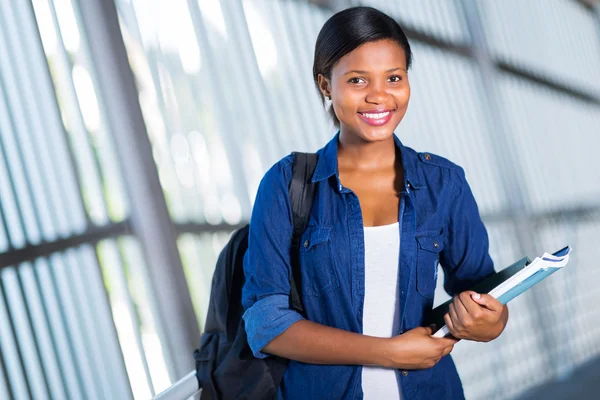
(507, 284)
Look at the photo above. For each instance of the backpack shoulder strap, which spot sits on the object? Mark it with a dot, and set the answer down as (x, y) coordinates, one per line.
(302, 194)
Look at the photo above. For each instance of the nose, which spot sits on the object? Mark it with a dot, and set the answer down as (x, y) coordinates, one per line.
(377, 94)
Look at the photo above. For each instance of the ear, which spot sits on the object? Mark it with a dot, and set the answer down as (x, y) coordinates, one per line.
(324, 86)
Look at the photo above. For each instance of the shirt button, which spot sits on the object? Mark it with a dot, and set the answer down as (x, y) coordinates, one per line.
(404, 373)
(436, 245)
(427, 156)
(306, 243)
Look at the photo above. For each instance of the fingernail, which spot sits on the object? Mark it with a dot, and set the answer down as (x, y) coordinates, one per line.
(477, 296)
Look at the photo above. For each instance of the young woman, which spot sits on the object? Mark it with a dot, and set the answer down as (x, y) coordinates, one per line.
(383, 217)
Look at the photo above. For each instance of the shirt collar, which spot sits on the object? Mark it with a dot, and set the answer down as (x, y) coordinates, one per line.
(327, 165)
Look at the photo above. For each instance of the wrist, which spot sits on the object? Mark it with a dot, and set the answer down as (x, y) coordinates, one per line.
(387, 352)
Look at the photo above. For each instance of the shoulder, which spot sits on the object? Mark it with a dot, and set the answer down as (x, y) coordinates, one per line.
(279, 173)
(434, 160)
(272, 199)
(430, 161)
(435, 169)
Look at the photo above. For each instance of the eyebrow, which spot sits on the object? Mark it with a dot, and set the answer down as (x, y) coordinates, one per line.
(357, 71)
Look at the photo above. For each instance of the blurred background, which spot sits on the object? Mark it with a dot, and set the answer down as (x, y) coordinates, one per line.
(134, 133)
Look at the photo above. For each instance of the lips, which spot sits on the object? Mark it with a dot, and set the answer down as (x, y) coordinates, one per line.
(376, 117)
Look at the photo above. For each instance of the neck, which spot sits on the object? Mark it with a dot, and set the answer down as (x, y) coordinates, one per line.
(357, 153)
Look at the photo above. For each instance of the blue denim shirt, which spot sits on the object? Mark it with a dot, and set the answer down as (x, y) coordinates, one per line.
(439, 223)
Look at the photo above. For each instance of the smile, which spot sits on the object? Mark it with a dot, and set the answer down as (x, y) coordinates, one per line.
(376, 118)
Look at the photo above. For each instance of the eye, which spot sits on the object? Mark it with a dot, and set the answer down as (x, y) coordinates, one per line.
(356, 80)
(395, 78)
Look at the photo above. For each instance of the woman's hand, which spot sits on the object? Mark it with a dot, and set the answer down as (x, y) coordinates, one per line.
(478, 317)
(417, 349)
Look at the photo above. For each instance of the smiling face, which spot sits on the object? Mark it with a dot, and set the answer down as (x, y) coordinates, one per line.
(369, 90)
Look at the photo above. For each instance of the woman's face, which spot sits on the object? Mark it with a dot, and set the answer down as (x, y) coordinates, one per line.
(369, 90)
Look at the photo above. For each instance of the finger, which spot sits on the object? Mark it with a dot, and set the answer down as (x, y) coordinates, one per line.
(447, 341)
(487, 301)
(473, 308)
(428, 330)
(461, 311)
(449, 324)
(447, 350)
(465, 320)
(454, 316)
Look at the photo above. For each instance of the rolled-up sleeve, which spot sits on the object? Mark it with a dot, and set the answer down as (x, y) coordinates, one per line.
(465, 258)
(267, 267)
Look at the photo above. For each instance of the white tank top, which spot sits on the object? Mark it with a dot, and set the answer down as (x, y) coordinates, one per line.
(382, 251)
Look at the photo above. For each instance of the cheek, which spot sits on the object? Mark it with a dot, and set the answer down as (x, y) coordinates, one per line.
(347, 103)
(402, 100)
(403, 96)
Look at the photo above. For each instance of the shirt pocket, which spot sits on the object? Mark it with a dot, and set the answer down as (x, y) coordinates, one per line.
(428, 256)
(319, 275)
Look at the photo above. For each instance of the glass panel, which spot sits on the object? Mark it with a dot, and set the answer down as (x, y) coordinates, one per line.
(541, 38)
(68, 197)
(32, 294)
(60, 335)
(125, 318)
(443, 19)
(15, 167)
(140, 289)
(88, 321)
(10, 353)
(545, 146)
(75, 327)
(210, 150)
(61, 67)
(199, 255)
(19, 99)
(108, 340)
(37, 143)
(23, 333)
(82, 110)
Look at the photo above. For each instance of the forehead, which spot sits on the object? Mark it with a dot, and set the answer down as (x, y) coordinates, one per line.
(382, 55)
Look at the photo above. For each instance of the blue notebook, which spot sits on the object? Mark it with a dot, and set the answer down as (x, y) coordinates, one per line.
(507, 284)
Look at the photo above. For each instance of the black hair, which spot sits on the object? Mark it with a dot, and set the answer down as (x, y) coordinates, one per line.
(346, 31)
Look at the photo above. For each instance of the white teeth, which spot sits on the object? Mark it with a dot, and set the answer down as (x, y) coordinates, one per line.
(376, 115)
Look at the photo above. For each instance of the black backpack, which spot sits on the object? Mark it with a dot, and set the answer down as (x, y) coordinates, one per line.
(225, 366)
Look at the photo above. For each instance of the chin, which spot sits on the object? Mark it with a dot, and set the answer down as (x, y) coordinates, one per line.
(369, 133)
(376, 135)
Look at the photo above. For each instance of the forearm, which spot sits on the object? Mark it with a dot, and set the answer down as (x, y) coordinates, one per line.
(314, 343)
